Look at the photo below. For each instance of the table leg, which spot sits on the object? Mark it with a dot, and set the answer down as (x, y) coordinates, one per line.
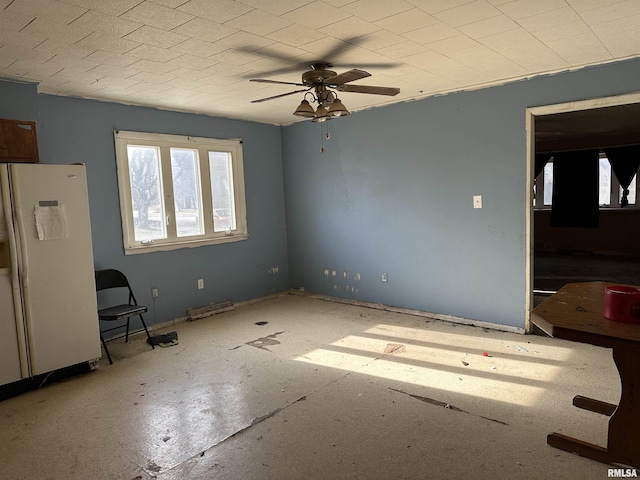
(624, 425)
(584, 449)
(586, 403)
(623, 444)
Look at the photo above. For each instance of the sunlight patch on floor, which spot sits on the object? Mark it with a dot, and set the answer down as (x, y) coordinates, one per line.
(490, 368)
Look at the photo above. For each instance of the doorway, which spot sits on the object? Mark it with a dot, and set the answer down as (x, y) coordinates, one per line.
(589, 124)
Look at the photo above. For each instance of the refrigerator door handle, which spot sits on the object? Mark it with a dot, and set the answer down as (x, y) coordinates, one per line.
(23, 260)
(15, 277)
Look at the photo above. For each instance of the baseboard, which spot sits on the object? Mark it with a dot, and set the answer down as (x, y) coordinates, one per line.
(358, 303)
(176, 321)
(409, 311)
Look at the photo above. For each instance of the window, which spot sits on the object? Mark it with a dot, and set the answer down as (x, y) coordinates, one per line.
(610, 191)
(632, 191)
(548, 183)
(178, 191)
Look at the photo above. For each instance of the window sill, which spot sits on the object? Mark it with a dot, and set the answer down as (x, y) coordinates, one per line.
(164, 247)
(630, 208)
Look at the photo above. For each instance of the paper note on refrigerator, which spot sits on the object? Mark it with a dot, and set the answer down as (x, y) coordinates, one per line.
(51, 221)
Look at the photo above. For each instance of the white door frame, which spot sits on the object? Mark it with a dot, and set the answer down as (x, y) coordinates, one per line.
(531, 114)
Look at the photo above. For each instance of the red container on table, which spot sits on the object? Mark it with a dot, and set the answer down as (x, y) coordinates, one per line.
(622, 303)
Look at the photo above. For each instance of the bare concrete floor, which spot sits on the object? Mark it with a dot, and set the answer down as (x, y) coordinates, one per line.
(322, 390)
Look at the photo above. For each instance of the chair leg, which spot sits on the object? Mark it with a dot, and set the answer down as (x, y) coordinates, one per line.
(146, 330)
(126, 337)
(106, 350)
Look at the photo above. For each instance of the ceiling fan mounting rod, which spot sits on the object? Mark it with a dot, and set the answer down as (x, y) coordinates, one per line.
(321, 65)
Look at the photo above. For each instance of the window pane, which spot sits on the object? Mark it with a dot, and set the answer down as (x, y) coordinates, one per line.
(146, 187)
(220, 168)
(548, 183)
(186, 192)
(605, 182)
(535, 191)
(632, 191)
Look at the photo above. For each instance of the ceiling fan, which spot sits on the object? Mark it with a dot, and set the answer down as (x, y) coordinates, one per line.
(321, 84)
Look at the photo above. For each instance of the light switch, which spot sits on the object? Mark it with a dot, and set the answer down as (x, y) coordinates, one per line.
(477, 201)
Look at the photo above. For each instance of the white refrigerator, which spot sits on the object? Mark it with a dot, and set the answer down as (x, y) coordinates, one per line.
(48, 307)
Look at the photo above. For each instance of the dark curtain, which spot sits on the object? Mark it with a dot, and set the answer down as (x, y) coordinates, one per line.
(541, 161)
(575, 189)
(624, 163)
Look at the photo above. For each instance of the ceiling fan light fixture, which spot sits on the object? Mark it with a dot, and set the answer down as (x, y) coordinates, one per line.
(305, 110)
(337, 109)
(321, 115)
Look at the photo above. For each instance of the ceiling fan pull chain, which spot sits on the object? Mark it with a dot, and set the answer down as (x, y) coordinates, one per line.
(324, 135)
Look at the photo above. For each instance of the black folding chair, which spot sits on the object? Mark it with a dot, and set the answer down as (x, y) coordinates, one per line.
(114, 279)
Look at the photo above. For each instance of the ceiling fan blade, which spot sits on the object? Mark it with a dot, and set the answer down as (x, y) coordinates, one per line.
(264, 80)
(268, 52)
(327, 57)
(391, 91)
(341, 47)
(374, 64)
(278, 96)
(278, 71)
(302, 66)
(296, 63)
(350, 76)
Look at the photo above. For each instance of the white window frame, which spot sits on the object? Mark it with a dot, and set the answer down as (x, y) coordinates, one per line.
(164, 142)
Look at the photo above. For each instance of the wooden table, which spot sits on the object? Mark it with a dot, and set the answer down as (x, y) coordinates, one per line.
(575, 313)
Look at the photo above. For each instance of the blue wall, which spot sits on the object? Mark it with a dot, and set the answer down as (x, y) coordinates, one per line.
(393, 193)
(76, 130)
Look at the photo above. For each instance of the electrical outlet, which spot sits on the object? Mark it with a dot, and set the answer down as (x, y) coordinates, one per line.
(200, 283)
(154, 293)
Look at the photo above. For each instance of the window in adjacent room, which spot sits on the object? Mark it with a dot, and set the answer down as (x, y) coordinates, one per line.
(609, 193)
(178, 191)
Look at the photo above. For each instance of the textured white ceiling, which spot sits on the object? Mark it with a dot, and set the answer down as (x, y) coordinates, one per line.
(198, 55)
